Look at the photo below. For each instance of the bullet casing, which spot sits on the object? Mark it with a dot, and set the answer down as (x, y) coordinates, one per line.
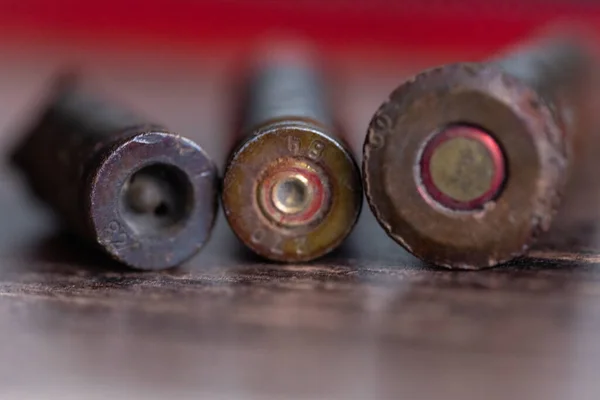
(465, 164)
(292, 191)
(144, 195)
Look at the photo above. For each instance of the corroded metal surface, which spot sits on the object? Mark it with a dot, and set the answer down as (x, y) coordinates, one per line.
(481, 199)
(145, 195)
(292, 191)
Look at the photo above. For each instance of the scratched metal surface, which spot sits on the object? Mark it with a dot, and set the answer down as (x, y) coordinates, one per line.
(368, 321)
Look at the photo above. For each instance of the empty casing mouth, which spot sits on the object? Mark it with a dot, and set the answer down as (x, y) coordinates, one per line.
(157, 199)
(152, 200)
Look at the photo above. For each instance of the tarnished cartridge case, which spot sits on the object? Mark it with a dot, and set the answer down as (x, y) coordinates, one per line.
(292, 190)
(144, 195)
(465, 164)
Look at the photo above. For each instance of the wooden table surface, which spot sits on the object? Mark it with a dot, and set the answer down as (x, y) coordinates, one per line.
(366, 322)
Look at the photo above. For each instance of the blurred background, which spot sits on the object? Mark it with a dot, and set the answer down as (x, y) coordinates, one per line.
(182, 46)
(342, 25)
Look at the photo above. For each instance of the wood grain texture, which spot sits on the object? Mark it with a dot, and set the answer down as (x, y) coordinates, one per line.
(366, 322)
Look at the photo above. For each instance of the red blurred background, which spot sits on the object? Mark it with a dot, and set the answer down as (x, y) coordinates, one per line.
(482, 26)
(174, 59)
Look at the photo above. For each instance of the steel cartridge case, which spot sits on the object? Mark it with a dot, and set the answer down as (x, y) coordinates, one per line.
(465, 164)
(144, 195)
(292, 190)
